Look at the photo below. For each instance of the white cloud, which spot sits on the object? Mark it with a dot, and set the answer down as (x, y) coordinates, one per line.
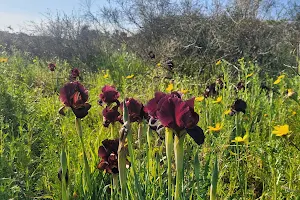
(17, 21)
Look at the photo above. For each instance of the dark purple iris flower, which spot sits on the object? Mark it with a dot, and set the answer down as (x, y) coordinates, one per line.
(74, 74)
(238, 106)
(109, 95)
(52, 67)
(75, 96)
(111, 115)
(176, 114)
(210, 90)
(240, 86)
(108, 153)
(135, 110)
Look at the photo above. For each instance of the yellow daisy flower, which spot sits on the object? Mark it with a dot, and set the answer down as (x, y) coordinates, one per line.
(281, 76)
(130, 76)
(290, 92)
(215, 129)
(241, 139)
(199, 99)
(3, 60)
(281, 130)
(183, 91)
(170, 87)
(227, 112)
(277, 81)
(219, 100)
(249, 75)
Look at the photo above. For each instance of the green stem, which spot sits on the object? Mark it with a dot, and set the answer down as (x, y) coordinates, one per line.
(86, 164)
(112, 129)
(140, 133)
(122, 170)
(178, 148)
(214, 181)
(114, 189)
(131, 154)
(169, 147)
(64, 187)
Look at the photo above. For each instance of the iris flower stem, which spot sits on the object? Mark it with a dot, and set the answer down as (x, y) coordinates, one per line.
(169, 148)
(140, 133)
(178, 149)
(149, 148)
(64, 187)
(115, 186)
(86, 164)
(132, 159)
(122, 170)
(112, 129)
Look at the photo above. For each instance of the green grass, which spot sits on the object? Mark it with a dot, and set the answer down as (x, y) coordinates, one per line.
(33, 134)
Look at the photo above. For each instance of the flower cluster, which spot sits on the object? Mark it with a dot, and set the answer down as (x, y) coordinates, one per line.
(176, 114)
(108, 153)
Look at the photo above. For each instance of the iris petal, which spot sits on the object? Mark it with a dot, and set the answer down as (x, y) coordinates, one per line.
(197, 134)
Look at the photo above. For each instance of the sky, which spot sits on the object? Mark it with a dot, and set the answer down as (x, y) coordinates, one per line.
(16, 13)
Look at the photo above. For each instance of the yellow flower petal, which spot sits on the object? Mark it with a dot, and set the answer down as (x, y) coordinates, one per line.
(130, 76)
(249, 75)
(281, 76)
(219, 99)
(215, 129)
(3, 60)
(281, 130)
(105, 76)
(277, 81)
(227, 112)
(199, 99)
(170, 87)
(218, 62)
(290, 93)
(183, 91)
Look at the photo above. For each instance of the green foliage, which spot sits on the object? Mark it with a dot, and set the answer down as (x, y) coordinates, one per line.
(32, 134)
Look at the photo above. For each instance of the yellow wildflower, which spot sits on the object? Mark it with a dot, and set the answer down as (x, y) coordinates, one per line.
(218, 62)
(199, 99)
(170, 87)
(215, 129)
(294, 113)
(130, 76)
(277, 81)
(266, 115)
(281, 76)
(3, 60)
(105, 76)
(249, 75)
(290, 92)
(281, 130)
(183, 91)
(219, 99)
(227, 112)
(241, 139)
(158, 65)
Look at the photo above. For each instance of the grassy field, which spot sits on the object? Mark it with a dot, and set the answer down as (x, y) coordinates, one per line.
(258, 165)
